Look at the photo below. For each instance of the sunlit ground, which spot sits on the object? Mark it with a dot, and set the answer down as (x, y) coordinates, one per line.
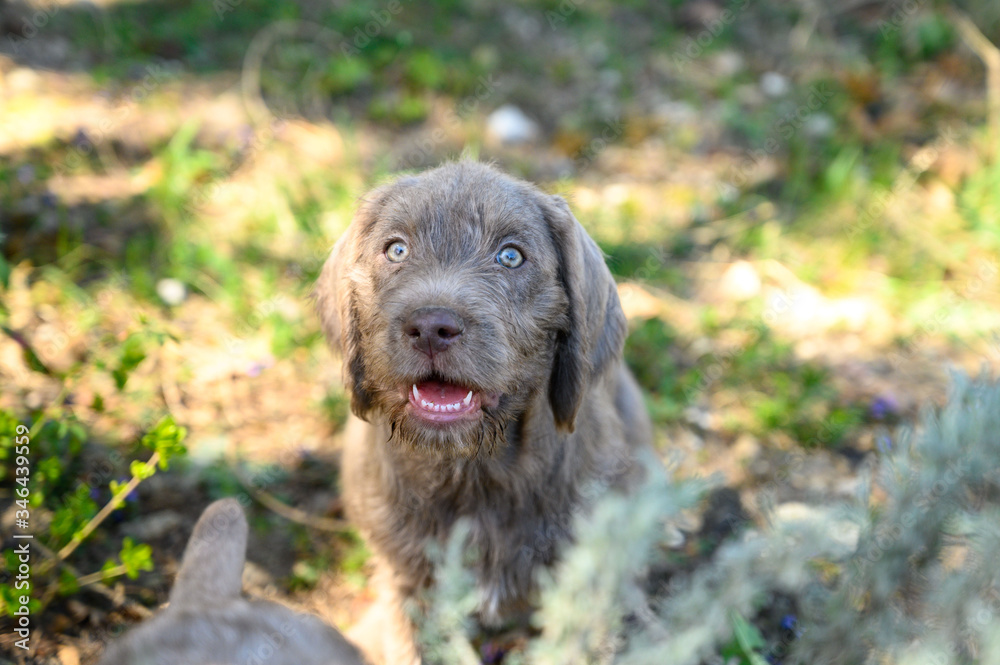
(801, 210)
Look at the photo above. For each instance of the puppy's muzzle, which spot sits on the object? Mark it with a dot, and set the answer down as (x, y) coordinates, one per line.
(432, 330)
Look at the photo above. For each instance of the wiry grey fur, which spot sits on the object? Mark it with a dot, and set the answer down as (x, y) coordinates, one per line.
(209, 623)
(546, 336)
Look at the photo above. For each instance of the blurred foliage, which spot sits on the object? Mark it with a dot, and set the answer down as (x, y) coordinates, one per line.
(44, 464)
(865, 172)
(873, 580)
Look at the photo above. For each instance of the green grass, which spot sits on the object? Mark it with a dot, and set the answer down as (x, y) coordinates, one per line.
(779, 392)
(816, 213)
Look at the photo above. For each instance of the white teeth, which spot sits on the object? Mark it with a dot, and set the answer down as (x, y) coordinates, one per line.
(441, 408)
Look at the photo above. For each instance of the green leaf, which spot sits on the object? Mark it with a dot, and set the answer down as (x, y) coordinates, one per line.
(135, 557)
(110, 570)
(49, 470)
(64, 523)
(76, 510)
(4, 272)
(166, 438)
(68, 584)
(141, 470)
(8, 600)
(133, 352)
(30, 357)
(748, 638)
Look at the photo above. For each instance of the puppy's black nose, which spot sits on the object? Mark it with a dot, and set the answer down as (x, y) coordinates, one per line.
(433, 329)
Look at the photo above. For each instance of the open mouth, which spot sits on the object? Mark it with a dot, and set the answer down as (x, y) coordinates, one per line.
(443, 402)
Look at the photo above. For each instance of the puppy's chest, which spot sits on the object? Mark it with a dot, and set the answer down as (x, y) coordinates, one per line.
(501, 523)
(510, 535)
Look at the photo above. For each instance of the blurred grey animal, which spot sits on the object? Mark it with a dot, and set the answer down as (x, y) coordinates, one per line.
(481, 335)
(207, 621)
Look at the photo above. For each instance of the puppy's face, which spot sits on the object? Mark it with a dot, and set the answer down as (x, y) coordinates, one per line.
(453, 297)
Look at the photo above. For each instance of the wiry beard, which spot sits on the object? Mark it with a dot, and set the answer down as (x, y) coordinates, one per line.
(465, 440)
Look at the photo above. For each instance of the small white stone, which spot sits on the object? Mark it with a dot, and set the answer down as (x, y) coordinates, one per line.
(774, 84)
(740, 282)
(843, 532)
(508, 125)
(818, 125)
(673, 537)
(727, 63)
(171, 291)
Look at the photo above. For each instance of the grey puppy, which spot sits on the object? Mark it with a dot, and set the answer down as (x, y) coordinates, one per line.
(207, 621)
(481, 335)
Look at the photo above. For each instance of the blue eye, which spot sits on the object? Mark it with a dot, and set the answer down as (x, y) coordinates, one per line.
(397, 252)
(510, 257)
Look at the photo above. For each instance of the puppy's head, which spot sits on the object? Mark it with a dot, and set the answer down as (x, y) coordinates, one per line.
(462, 297)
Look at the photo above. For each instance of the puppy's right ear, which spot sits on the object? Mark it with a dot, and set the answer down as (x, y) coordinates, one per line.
(212, 569)
(336, 302)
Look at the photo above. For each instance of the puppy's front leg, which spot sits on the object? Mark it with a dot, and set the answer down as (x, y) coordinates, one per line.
(386, 634)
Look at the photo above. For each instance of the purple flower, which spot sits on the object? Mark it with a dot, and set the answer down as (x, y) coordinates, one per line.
(259, 366)
(883, 405)
(95, 493)
(789, 622)
(133, 496)
(491, 653)
(81, 140)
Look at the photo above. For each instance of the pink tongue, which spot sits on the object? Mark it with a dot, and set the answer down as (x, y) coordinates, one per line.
(441, 393)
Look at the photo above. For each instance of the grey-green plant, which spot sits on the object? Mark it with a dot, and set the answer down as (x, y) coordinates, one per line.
(905, 574)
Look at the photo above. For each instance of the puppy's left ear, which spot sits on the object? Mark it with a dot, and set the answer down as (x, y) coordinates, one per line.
(596, 328)
(338, 313)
